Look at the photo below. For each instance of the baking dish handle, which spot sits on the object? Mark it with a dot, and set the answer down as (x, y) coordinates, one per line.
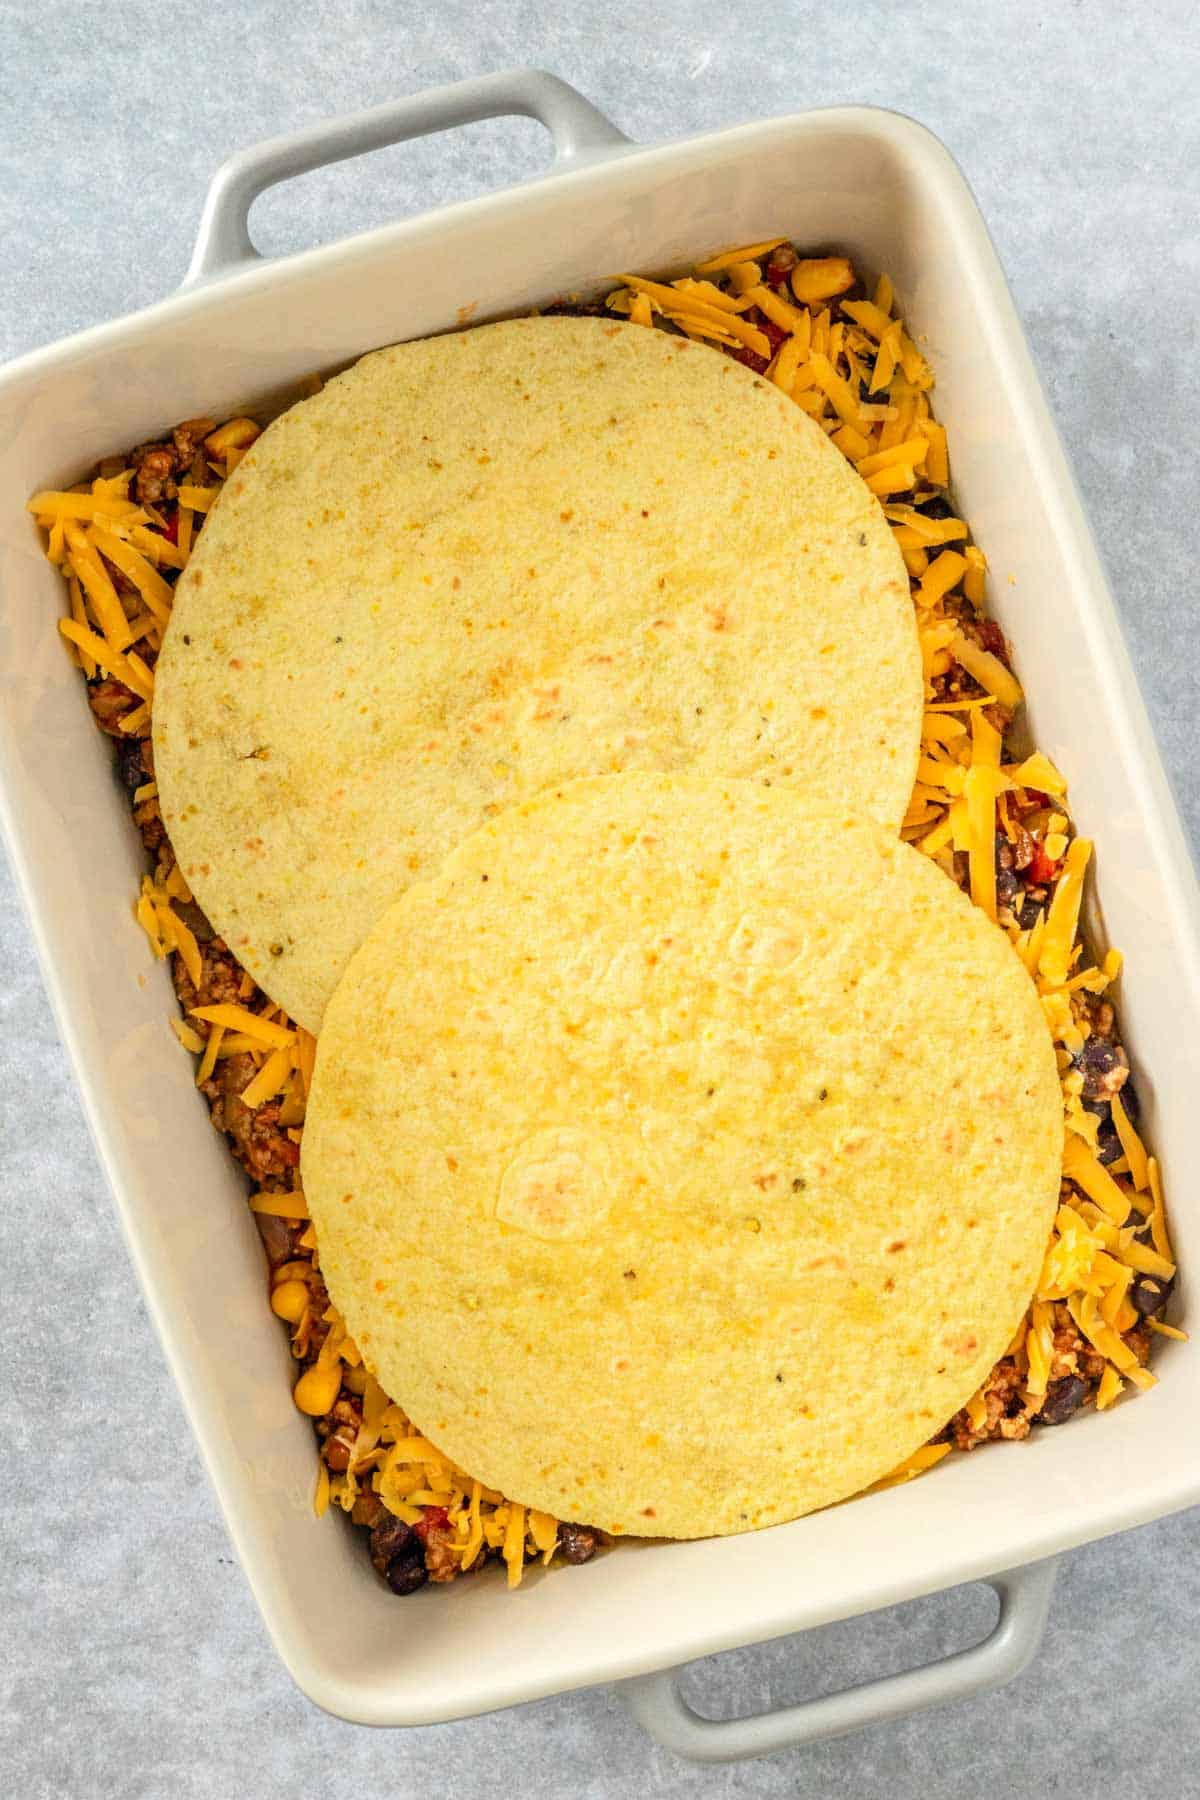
(658, 1706)
(581, 134)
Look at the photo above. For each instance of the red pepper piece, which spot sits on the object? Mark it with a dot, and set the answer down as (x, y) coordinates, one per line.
(1043, 868)
(433, 1518)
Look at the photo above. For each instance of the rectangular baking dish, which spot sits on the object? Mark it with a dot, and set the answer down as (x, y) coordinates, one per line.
(244, 332)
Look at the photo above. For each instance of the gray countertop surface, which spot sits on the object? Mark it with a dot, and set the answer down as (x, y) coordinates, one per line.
(134, 1662)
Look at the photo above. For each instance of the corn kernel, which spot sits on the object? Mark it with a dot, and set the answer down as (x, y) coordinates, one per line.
(820, 278)
(288, 1301)
(317, 1389)
(235, 434)
(298, 1270)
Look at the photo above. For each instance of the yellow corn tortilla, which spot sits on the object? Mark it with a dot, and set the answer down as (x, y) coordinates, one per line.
(480, 564)
(682, 1155)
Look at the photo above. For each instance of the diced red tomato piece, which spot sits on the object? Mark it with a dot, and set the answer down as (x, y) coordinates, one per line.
(1043, 868)
(433, 1518)
(773, 333)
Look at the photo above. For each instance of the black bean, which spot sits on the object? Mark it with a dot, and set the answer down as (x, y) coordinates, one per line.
(388, 1539)
(1030, 912)
(1006, 887)
(130, 769)
(276, 1235)
(1149, 1293)
(1108, 1144)
(1098, 1059)
(576, 309)
(1062, 1399)
(195, 920)
(577, 1543)
(936, 508)
(407, 1572)
(1129, 1100)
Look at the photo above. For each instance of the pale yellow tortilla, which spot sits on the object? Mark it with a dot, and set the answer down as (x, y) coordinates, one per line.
(682, 1156)
(480, 564)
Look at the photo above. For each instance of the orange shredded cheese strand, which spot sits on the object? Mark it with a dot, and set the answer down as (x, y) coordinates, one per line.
(1062, 921)
(1037, 771)
(779, 311)
(80, 618)
(240, 1018)
(102, 595)
(944, 573)
(51, 504)
(910, 452)
(885, 361)
(973, 580)
(281, 1206)
(836, 390)
(1158, 1218)
(682, 306)
(895, 480)
(1147, 1261)
(180, 938)
(152, 544)
(1110, 1386)
(937, 461)
(917, 1464)
(269, 1080)
(988, 670)
(197, 499)
(138, 569)
(211, 1051)
(191, 1040)
(1132, 1145)
(1112, 1302)
(1088, 1173)
(514, 1542)
(117, 665)
(712, 265)
(306, 1057)
(872, 318)
(981, 790)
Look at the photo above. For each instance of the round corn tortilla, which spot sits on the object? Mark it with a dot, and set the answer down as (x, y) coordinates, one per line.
(682, 1156)
(481, 564)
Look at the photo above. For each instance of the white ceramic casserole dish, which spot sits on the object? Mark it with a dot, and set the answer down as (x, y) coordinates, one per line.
(244, 332)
